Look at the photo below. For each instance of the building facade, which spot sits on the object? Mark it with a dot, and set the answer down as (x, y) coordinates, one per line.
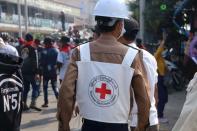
(44, 15)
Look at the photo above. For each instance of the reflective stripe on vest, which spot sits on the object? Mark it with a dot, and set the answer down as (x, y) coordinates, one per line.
(103, 89)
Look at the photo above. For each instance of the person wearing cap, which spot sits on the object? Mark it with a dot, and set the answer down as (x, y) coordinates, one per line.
(49, 68)
(11, 90)
(102, 77)
(150, 64)
(30, 72)
(11, 87)
(63, 56)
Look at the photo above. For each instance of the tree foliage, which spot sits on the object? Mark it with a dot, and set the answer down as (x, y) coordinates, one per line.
(155, 19)
(134, 7)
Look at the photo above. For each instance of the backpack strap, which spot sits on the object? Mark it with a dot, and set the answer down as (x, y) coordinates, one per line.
(130, 56)
(85, 52)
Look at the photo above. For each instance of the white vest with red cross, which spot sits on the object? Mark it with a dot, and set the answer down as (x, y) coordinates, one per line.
(103, 89)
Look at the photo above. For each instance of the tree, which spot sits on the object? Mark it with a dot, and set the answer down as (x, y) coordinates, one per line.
(134, 7)
(158, 14)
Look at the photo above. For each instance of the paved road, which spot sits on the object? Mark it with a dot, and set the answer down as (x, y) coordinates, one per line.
(41, 121)
(173, 109)
(46, 121)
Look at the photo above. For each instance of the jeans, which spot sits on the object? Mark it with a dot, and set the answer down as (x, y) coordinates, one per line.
(54, 87)
(162, 95)
(89, 125)
(30, 80)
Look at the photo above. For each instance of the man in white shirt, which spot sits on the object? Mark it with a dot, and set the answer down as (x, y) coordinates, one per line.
(63, 56)
(150, 64)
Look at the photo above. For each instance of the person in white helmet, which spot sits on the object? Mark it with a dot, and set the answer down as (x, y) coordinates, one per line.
(102, 77)
(150, 64)
(11, 88)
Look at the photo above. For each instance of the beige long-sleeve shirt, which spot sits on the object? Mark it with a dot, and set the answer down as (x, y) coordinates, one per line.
(105, 49)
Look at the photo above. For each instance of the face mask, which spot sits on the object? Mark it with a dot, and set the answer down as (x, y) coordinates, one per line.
(122, 31)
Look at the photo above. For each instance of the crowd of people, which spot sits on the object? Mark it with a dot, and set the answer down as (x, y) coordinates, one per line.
(112, 81)
(43, 62)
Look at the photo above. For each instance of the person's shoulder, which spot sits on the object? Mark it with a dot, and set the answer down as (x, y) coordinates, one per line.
(77, 48)
(75, 52)
(10, 46)
(40, 49)
(55, 50)
(148, 58)
(147, 54)
(12, 49)
(124, 46)
(133, 46)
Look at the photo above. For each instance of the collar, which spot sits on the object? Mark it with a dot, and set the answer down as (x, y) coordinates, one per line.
(30, 43)
(133, 44)
(65, 49)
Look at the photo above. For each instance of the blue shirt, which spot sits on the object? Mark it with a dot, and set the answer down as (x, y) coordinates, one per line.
(48, 62)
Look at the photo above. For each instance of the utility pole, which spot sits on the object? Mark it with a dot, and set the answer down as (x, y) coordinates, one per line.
(19, 18)
(142, 7)
(26, 17)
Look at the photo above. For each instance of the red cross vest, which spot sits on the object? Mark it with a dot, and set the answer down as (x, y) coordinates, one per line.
(103, 89)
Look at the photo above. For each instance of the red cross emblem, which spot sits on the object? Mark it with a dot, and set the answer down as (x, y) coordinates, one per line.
(103, 91)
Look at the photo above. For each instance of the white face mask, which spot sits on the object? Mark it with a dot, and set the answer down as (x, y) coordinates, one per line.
(122, 31)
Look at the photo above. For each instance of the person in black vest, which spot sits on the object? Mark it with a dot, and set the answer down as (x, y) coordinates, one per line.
(11, 89)
(30, 72)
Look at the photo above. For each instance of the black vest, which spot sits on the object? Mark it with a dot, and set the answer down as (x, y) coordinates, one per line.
(11, 89)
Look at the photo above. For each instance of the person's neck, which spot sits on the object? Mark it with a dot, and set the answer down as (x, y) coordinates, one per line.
(126, 42)
(103, 35)
(107, 34)
(29, 43)
(107, 38)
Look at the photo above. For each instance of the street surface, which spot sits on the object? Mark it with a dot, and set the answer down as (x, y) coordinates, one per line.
(46, 120)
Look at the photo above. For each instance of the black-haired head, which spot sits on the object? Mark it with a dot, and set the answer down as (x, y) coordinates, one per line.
(28, 37)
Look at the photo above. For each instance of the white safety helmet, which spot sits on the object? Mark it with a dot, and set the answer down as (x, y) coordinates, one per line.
(111, 8)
